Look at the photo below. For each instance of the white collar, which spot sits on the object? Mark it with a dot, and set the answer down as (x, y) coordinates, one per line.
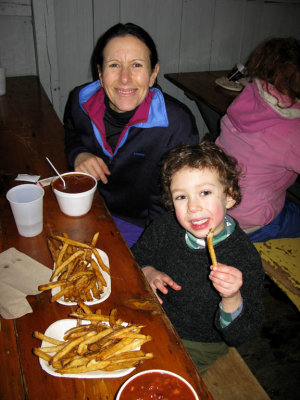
(279, 107)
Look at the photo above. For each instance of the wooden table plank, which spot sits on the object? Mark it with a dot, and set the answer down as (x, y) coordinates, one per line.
(11, 388)
(201, 86)
(29, 130)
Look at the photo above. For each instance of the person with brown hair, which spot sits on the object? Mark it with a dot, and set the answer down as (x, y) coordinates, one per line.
(118, 127)
(211, 306)
(261, 129)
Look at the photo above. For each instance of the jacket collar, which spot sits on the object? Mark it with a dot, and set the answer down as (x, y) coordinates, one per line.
(150, 113)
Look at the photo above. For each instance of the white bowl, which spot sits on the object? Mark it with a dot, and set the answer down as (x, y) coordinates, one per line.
(75, 204)
(192, 395)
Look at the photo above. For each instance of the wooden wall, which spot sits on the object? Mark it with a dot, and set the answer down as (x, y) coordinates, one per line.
(17, 52)
(55, 40)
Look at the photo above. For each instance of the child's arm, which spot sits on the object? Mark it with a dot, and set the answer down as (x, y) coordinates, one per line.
(227, 281)
(159, 280)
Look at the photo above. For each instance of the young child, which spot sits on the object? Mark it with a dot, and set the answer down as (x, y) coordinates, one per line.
(261, 129)
(211, 307)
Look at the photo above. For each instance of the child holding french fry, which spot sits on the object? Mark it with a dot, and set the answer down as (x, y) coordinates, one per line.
(211, 306)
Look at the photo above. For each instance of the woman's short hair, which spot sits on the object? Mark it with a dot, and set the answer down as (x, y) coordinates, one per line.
(121, 30)
(277, 61)
(205, 155)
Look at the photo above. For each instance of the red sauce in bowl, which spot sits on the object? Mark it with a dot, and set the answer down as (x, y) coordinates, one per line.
(158, 386)
(75, 183)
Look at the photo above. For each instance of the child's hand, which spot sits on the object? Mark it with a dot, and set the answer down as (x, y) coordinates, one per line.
(159, 280)
(227, 281)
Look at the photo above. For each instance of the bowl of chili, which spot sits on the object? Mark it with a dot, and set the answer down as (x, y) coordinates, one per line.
(156, 384)
(76, 197)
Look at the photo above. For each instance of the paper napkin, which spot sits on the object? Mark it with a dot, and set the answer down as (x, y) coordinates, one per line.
(20, 276)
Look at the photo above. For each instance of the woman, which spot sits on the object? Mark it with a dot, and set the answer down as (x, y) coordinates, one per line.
(261, 129)
(118, 127)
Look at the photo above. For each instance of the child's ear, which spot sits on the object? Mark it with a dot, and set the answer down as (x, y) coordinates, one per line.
(230, 202)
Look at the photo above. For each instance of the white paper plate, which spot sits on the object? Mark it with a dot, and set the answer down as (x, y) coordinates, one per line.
(57, 331)
(230, 85)
(106, 289)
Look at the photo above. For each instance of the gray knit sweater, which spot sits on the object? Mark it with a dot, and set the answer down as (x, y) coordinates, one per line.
(194, 310)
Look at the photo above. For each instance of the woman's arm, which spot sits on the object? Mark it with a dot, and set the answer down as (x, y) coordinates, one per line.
(78, 126)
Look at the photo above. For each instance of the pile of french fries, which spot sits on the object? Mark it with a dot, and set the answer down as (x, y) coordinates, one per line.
(76, 273)
(104, 344)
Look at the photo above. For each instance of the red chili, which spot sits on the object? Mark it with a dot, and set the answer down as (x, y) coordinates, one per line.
(157, 386)
(74, 183)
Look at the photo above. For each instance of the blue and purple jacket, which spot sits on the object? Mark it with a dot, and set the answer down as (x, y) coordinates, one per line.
(159, 123)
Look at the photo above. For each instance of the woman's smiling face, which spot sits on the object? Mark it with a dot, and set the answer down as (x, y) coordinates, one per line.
(126, 74)
(199, 201)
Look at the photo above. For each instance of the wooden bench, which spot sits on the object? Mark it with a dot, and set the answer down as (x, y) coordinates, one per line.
(281, 261)
(230, 379)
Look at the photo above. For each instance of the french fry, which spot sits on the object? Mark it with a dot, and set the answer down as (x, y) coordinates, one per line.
(52, 285)
(122, 332)
(130, 360)
(54, 252)
(72, 242)
(52, 349)
(121, 365)
(93, 339)
(65, 263)
(101, 263)
(60, 294)
(98, 274)
(74, 266)
(69, 346)
(45, 338)
(75, 361)
(38, 352)
(88, 295)
(61, 254)
(75, 332)
(94, 240)
(85, 308)
(125, 344)
(210, 246)
(129, 355)
(95, 290)
(112, 317)
(93, 317)
(92, 347)
(83, 368)
(81, 273)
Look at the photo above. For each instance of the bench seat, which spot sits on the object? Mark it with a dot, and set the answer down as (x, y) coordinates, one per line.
(229, 378)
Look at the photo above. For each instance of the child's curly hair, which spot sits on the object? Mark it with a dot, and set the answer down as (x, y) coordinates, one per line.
(200, 156)
(277, 61)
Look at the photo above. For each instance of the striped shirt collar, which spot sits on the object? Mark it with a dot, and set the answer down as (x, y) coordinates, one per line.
(194, 243)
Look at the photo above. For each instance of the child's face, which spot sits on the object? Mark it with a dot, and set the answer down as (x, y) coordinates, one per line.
(199, 200)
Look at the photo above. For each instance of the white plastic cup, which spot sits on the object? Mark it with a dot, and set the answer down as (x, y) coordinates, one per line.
(2, 81)
(26, 202)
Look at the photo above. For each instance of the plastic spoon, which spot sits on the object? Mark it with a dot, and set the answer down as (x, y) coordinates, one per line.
(56, 171)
